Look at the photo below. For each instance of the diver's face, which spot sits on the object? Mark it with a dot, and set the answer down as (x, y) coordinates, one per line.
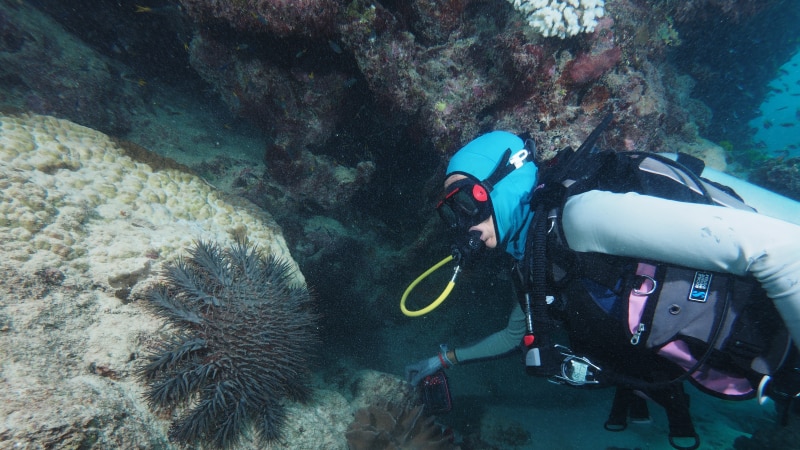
(486, 228)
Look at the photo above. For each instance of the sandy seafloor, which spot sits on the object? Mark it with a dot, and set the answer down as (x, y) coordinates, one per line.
(559, 417)
(190, 131)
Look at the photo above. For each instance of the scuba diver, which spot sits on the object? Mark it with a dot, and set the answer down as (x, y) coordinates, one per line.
(633, 270)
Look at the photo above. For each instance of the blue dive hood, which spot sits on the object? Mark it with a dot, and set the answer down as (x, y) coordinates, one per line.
(511, 195)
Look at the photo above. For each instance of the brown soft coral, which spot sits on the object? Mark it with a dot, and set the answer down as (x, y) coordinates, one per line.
(396, 426)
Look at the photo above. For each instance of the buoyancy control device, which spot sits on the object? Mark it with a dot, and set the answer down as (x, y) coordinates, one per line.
(641, 325)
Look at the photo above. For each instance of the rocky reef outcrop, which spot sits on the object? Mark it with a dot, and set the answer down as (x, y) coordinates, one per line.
(85, 231)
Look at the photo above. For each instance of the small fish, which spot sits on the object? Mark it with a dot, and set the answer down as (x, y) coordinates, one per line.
(164, 10)
(140, 81)
(335, 47)
(767, 124)
(788, 124)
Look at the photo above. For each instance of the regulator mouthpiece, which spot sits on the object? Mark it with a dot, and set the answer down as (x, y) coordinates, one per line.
(465, 250)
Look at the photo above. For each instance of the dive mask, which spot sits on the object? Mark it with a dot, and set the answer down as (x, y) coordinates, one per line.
(465, 205)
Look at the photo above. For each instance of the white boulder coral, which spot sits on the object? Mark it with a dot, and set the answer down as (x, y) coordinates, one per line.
(562, 18)
(71, 198)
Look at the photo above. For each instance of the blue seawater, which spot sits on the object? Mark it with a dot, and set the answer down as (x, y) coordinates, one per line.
(778, 126)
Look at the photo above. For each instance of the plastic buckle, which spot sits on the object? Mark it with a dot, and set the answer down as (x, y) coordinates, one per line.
(519, 158)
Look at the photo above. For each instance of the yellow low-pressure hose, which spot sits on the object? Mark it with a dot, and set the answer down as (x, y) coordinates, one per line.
(439, 300)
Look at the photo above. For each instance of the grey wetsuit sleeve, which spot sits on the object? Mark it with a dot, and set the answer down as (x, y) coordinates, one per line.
(498, 343)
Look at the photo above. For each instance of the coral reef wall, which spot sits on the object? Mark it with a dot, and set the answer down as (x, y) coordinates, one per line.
(447, 70)
(360, 103)
(356, 106)
(296, 70)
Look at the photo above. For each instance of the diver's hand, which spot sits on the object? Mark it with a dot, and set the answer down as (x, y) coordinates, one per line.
(419, 370)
